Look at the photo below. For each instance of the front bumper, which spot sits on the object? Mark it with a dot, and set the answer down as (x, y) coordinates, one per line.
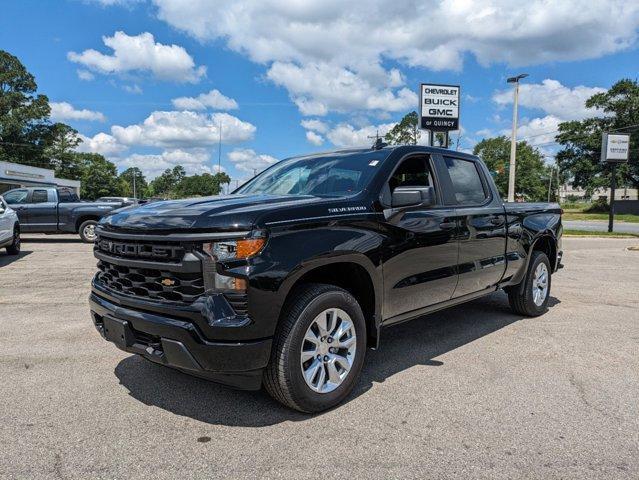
(180, 344)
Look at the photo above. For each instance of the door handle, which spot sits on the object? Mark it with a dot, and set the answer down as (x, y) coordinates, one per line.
(447, 225)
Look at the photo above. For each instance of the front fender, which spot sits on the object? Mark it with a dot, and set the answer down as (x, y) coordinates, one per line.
(291, 254)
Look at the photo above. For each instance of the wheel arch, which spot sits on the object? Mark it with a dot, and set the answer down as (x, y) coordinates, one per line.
(355, 273)
(546, 243)
(83, 218)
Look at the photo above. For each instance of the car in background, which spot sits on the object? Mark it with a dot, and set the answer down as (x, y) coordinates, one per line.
(9, 229)
(123, 201)
(54, 210)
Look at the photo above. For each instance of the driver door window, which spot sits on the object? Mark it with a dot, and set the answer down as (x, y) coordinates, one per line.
(413, 172)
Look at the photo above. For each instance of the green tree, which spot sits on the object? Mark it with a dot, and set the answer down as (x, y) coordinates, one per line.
(406, 132)
(165, 184)
(532, 174)
(201, 185)
(581, 140)
(99, 176)
(24, 127)
(62, 141)
(126, 183)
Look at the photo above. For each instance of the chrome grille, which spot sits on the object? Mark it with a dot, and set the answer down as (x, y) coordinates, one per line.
(151, 284)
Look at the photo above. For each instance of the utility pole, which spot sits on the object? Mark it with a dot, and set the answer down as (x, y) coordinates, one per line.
(219, 152)
(613, 186)
(513, 138)
(134, 190)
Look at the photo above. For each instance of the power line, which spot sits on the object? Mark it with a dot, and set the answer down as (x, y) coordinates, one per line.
(557, 131)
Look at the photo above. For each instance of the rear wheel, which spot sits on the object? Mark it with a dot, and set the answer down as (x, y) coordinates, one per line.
(14, 248)
(530, 298)
(87, 231)
(319, 349)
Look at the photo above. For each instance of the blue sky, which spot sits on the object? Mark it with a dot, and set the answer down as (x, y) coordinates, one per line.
(294, 77)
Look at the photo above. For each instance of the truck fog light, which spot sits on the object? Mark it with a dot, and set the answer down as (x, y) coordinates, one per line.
(223, 282)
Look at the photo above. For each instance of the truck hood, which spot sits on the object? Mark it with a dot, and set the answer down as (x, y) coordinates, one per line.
(222, 213)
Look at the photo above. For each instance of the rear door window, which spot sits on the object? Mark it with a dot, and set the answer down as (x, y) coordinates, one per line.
(467, 184)
(67, 196)
(40, 196)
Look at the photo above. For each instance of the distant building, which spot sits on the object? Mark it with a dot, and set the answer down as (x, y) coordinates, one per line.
(15, 175)
(567, 192)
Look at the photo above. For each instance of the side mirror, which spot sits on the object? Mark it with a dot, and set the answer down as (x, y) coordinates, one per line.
(413, 197)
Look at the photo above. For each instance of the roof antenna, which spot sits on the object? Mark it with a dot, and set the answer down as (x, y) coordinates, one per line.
(379, 144)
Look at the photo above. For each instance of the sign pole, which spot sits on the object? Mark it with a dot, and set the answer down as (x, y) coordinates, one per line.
(613, 186)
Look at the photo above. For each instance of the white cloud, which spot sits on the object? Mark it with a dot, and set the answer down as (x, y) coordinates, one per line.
(184, 130)
(484, 133)
(61, 111)
(314, 138)
(558, 102)
(246, 160)
(312, 48)
(213, 99)
(140, 53)
(101, 143)
(134, 89)
(109, 3)
(347, 136)
(320, 87)
(85, 75)
(432, 34)
(315, 125)
(537, 131)
(194, 161)
(553, 98)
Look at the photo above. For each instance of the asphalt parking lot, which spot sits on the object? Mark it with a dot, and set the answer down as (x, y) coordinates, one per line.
(471, 392)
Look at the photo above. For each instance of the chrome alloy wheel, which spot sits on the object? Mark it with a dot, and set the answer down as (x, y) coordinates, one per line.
(328, 350)
(540, 284)
(89, 232)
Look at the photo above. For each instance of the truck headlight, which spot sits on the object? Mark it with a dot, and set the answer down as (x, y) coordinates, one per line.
(232, 250)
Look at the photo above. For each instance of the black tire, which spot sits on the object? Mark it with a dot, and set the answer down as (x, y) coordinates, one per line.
(520, 296)
(14, 248)
(84, 231)
(283, 377)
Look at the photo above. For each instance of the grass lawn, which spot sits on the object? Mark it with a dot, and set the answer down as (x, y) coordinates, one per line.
(588, 233)
(625, 217)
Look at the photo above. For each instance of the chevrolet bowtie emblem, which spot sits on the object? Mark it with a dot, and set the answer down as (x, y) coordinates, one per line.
(167, 282)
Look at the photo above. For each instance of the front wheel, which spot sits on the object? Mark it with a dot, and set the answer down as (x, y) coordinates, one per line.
(14, 248)
(318, 350)
(87, 231)
(530, 298)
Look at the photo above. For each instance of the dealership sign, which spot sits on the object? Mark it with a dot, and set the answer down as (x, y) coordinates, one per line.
(439, 107)
(615, 148)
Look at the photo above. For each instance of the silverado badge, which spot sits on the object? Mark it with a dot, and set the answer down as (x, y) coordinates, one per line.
(167, 282)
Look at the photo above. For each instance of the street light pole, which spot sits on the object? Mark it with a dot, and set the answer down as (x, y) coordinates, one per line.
(513, 138)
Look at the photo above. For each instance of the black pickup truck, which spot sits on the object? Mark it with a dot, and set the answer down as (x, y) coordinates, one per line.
(57, 210)
(287, 281)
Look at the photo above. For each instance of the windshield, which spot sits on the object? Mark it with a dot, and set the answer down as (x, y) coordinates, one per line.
(333, 175)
